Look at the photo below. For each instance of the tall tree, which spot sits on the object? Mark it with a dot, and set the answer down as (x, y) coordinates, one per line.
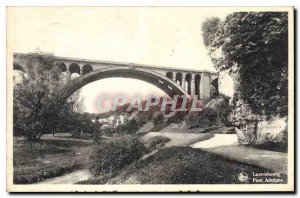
(255, 45)
(38, 107)
(209, 28)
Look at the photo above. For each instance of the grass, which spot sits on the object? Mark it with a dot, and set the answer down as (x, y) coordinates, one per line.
(47, 158)
(159, 127)
(271, 146)
(209, 129)
(115, 154)
(157, 142)
(181, 165)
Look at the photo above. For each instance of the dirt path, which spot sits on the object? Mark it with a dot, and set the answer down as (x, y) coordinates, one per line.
(227, 146)
(179, 139)
(69, 178)
(217, 140)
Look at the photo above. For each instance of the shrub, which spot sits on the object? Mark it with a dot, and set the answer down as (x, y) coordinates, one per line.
(158, 118)
(159, 127)
(115, 154)
(278, 142)
(130, 127)
(157, 142)
(177, 118)
(204, 118)
(143, 117)
(224, 110)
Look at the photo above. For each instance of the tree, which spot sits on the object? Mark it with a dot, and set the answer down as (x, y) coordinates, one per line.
(209, 27)
(38, 107)
(255, 46)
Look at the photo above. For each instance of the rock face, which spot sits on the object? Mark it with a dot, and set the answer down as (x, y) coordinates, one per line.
(245, 122)
(214, 103)
(252, 128)
(256, 129)
(273, 130)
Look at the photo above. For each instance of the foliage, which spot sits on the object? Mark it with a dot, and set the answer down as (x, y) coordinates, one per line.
(70, 117)
(143, 117)
(214, 92)
(184, 165)
(224, 110)
(204, 118)
(158, 118)
(36, 100)
(209, 28)
(106, 131)
(115, 154)
(278, 142)
(255, 45)
(37, 103)
(29, 160)
(157, 141)
(128, 128)
(43, 175)
(178, 117)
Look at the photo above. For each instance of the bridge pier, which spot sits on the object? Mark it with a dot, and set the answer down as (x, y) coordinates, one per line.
(183, 83)
(174, 78)
(193, 86)
(205, 88)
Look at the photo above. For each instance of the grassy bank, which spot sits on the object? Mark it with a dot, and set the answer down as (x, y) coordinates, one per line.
(181, 165)
(47, 158)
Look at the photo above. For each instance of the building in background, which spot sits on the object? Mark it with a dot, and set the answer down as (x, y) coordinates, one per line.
(114, 120)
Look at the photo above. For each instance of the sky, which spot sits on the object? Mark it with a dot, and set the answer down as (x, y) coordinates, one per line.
(161, 36)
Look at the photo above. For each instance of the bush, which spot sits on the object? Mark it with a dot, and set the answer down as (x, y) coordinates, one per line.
(130, 127)
(143, 117)
(278, 142)
(224, 110)
(177, 118)
(159, 127)
(157, 142)
(115, 154)
(158, 119)
(204, 118)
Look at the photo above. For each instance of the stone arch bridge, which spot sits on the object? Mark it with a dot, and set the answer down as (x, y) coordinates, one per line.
(173, 81)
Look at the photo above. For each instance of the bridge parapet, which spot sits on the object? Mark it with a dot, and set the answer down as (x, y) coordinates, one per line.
(194, 82)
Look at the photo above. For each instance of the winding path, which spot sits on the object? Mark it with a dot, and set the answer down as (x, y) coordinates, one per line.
(227, 146)
(69, 178)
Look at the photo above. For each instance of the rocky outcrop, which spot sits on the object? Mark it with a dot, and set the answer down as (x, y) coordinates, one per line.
(215, 103)
(252, 128)
(245, 122)
(273, 130)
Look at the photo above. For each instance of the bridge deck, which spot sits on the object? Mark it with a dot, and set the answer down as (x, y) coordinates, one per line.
(89, 61)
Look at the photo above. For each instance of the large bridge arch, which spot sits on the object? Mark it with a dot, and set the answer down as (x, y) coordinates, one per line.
(162, 82)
